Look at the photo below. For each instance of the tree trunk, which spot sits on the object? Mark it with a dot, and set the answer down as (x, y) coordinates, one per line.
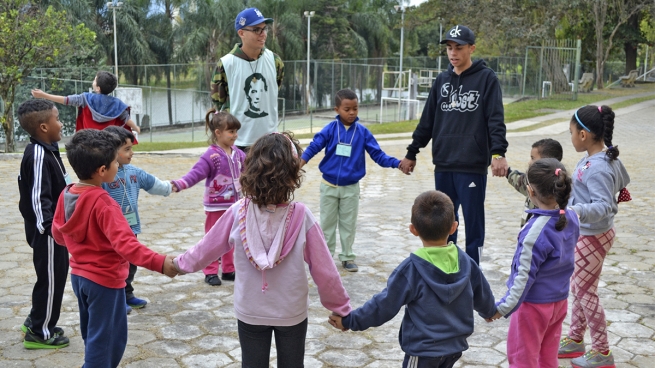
(629, 47)
(600, 12)
(8, 120)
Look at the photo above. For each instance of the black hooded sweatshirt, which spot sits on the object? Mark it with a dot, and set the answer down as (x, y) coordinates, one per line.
(464, 118)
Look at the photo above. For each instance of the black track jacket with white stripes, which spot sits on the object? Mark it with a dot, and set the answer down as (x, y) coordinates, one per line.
(40, 182)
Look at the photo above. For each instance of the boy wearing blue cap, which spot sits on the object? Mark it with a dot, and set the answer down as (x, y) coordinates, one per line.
(254, 75)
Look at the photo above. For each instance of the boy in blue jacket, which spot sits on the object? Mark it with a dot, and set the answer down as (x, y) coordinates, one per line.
(343, 166)
(124, 189)
(439, 285)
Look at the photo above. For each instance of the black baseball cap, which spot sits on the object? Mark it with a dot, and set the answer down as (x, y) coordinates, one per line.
(460, 34)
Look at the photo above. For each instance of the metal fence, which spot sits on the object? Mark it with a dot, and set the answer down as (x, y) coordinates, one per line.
(177, 95)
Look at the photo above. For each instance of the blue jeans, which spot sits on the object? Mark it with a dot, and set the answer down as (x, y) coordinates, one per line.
(467, 190)
(256, 345)
(103, 322)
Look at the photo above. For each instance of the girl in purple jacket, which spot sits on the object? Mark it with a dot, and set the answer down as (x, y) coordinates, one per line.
(220, 166)
(272, 237)
(538, 285)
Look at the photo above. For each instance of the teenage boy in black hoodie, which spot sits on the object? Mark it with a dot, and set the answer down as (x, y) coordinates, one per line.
(464, 118)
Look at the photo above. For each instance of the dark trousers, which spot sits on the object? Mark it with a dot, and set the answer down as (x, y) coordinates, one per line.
(468, 191)
(51, 265)
(431, 362)
(129, 289)
(256, 345)
(103, 322)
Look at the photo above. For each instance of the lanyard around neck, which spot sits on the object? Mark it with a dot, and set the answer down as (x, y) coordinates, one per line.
(339, 134)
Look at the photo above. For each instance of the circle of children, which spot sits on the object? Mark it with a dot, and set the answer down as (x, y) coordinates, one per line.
(254, 227)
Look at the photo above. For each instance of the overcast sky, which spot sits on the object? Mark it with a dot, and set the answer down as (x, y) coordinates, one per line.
(416, 2)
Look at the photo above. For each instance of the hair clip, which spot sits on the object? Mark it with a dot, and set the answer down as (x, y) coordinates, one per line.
(610, 147)
(294, 150)
(557, 171)
(600, 109)
(561, 212)
(216, 112)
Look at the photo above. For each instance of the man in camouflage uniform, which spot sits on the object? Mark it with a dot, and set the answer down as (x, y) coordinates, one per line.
(249, 63)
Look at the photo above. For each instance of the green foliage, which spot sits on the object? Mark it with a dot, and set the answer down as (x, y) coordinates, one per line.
(34, 37)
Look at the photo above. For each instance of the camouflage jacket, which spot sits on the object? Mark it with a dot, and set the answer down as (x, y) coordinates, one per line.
(220, 94)
(519, 181)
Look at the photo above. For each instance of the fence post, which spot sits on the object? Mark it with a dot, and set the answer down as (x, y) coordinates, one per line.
(541, 71)
(193, 121)
(525, 71)
(576, 75)
(152, 121)
(175, 93)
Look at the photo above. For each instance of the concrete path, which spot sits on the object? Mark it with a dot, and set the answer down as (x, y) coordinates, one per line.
(190, 324)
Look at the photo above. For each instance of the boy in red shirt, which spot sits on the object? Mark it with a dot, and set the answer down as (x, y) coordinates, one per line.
(101, 245)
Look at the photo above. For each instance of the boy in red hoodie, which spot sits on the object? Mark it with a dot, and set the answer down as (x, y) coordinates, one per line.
(101, 246)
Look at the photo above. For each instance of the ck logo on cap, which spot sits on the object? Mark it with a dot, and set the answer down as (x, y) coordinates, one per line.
(455, 32)
(242, 21)
(259, 14)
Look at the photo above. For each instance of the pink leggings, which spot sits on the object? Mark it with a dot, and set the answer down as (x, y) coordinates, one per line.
(534, 334)
(228, 258)
(590, 253)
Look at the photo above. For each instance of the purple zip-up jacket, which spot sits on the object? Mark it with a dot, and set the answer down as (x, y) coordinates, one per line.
(543, 262)
(222, 174)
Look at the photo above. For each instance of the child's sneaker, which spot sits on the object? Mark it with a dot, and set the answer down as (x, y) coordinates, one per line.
(33, 341)
(128, 309)
(213, 280)
(594, 359)
(350, 266)
(136, 303)
(28, 323)
(569, 348)
(228, 276)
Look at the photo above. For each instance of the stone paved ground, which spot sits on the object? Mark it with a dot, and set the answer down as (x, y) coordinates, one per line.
(190, 324)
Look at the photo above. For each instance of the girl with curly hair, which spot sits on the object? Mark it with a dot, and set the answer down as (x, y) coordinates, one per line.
(273, 237)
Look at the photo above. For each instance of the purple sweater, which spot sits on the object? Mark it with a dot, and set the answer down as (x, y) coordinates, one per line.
(222, 173)
(270, 252)
(543, 262)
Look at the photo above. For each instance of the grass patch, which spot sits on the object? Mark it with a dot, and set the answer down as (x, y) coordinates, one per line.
(165, 146)
(631, 102)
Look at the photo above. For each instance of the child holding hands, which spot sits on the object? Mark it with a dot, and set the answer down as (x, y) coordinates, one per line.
(597, 179)
(439, 285)
(272, 237)
(221, 166)
(538, 285)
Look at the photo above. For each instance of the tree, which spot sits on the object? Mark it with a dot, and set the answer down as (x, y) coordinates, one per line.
(622, 10)
(33, 37)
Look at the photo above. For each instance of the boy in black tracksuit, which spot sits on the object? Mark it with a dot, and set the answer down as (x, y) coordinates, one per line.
(41, 180)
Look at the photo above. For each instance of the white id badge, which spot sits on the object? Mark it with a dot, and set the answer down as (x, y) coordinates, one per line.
(67, 178)
(343, 150)
(131, 218)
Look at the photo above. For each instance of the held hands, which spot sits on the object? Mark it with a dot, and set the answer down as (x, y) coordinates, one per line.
(174, 188)
(499, 166)
(407, 166)
(169, 267)
(495, 317)
(335, 321)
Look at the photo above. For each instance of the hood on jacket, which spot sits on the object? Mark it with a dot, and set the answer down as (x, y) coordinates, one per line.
(447, 287)
(267, 240)
(104, 107)
(475, 67)
(75, 224)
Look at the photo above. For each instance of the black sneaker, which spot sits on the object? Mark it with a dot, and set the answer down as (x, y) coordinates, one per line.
(28, 322)
(33, 341)
(350, 266)
(228, 276)
(213, 280)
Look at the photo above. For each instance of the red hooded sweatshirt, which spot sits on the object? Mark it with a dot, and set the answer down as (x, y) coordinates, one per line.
(91, 225)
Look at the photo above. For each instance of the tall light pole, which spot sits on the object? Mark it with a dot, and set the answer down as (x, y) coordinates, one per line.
(401, 9)
(440, 29)
(113, 6)
(309, 15)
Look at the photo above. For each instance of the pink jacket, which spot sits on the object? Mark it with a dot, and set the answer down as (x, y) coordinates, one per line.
(271, 285)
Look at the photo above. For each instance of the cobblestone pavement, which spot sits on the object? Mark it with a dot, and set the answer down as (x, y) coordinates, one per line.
(190, 324)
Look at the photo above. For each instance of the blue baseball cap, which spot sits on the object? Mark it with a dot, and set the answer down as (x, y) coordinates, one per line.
(250, 17)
